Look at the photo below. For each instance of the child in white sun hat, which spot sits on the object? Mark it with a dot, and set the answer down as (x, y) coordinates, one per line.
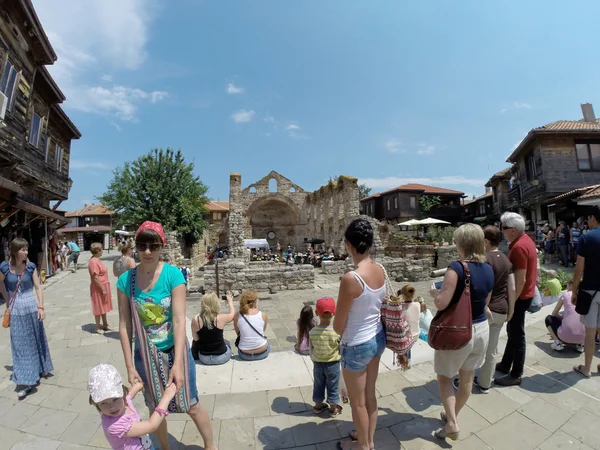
(121, 423)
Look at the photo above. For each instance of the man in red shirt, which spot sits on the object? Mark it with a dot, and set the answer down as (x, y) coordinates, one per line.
(523, 256)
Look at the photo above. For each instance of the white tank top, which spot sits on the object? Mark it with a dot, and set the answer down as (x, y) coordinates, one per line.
(364, 320)
(249, 339)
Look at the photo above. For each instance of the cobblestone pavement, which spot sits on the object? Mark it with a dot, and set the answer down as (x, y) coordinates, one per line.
(554, 407)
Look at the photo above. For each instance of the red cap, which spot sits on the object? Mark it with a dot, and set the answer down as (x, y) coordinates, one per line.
(325, 305)
(154, 226)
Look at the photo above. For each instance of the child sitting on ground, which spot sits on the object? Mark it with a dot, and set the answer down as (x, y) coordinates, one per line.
(566, 328)
(304, 324)
(121, 423)
(412, 310)
(325, 354)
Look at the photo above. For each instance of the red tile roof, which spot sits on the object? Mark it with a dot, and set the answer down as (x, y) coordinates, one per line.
(218, 206)
(422, 188)
(91, 210)
(592, 193)
(571, 125)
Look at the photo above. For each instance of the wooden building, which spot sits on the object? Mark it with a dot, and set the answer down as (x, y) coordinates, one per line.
(480, 209)
(403, 203)
(35, 135)
(92, 223)
(554, 159)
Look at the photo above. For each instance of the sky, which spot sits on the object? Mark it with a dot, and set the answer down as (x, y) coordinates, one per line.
(390, 92)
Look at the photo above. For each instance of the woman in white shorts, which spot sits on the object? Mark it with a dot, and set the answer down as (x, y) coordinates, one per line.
(469, 240)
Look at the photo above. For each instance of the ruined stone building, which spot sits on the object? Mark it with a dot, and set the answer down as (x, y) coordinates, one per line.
(276, 209)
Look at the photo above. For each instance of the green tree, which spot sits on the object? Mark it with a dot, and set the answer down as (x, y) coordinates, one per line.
(162, 187)
(428, 202)
(363, 191)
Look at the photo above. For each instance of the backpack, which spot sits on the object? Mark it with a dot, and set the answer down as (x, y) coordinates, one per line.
(398, 335)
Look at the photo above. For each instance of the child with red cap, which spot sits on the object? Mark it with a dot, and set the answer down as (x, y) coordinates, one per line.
(325, 354)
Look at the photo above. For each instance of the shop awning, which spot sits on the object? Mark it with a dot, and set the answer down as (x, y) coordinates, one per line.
(96, 229)
(34, 209)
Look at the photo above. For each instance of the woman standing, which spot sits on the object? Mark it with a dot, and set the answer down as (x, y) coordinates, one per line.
(157, 311)
(208, 345)
(64, 251)
(28, 343)
(250, 325)
(358, 321)
(125, 261)
(469, 240)
(99, 288)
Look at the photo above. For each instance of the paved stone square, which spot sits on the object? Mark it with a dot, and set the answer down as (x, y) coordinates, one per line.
(267, 404)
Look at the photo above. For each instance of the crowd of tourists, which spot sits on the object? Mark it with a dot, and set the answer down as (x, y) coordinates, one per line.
(345, 340)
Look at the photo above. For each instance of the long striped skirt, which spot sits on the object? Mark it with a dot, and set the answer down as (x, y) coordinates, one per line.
(29, 346)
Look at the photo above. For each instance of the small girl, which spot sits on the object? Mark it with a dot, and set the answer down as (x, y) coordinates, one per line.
(305, 323)
(425, 318)
(121, 423)
(411, 309)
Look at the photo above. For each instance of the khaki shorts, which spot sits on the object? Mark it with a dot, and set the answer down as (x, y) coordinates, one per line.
(592, 318)
(448, 362)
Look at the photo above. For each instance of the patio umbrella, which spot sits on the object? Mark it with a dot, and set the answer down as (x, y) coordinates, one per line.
(430, 221)
(410, 223)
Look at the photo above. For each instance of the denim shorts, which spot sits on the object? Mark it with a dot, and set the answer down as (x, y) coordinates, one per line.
(358, 357)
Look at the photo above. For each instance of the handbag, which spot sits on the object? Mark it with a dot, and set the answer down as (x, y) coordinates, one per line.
(584, 301)
(452, 328)
(6, 318)
(157, 364)
(237, 340)
(398, 335)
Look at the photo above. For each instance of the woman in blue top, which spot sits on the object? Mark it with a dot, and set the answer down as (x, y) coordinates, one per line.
(469, 240)
(159, 302)
(28, 343)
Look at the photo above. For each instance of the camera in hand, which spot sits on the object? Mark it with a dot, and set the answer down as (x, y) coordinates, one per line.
(223, 297)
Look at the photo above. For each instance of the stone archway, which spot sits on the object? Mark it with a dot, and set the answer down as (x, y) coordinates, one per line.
(278, 215)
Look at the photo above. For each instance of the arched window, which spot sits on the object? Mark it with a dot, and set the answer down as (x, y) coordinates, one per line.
(272, 185)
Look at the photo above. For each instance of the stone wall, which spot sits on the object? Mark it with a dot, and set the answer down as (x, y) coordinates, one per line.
(337, 267)
(446, 255)
(407, 269)
(261, 276)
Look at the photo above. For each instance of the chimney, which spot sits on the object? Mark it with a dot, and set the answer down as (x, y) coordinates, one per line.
(588, 112)
(488, 189)
(474, 197)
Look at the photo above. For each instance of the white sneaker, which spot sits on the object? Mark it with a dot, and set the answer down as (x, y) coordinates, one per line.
(558, 346)
(580, 348)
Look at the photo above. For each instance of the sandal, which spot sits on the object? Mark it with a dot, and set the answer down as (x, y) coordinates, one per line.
(320, 409)
(443, 434)
(23, 393)
(353, 435)
(106, 328)
(336, 411)
(579, 370)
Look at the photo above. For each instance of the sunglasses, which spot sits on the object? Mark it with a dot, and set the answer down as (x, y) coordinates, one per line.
(507, 228)
(142, 247)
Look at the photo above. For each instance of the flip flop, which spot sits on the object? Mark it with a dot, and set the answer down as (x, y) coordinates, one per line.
(353, 435)
(320, 409)
(579, 370)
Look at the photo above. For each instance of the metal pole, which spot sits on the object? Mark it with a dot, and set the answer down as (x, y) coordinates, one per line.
(217, 274)
(47, 255)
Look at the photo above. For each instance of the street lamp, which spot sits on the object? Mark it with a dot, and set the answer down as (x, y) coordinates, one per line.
(69, 185)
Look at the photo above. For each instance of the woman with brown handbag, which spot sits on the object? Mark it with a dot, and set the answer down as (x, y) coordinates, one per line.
(25, 315)
(460, 339)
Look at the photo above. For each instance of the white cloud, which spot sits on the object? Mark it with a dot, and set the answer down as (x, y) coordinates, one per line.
(394, 146)
(232, 89)
(294, 131)
(99, 35)
(516, 105)
(269, 119)
(243, 116)
(443, 181)
(119, 100)
(79, 164)
(116, 125)
(424, 149)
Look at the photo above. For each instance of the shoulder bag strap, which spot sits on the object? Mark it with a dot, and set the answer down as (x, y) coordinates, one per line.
(14, 296)
(388, 285)
(255, 330)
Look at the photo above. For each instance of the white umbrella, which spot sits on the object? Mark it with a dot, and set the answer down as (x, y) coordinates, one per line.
(430, 221)
(410, 223)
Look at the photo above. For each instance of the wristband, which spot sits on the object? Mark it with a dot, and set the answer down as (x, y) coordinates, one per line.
(162, 412)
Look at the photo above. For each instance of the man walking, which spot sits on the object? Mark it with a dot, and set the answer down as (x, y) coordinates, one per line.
(564, 238)
(74, 252)
(587, 290)
(523, 257)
